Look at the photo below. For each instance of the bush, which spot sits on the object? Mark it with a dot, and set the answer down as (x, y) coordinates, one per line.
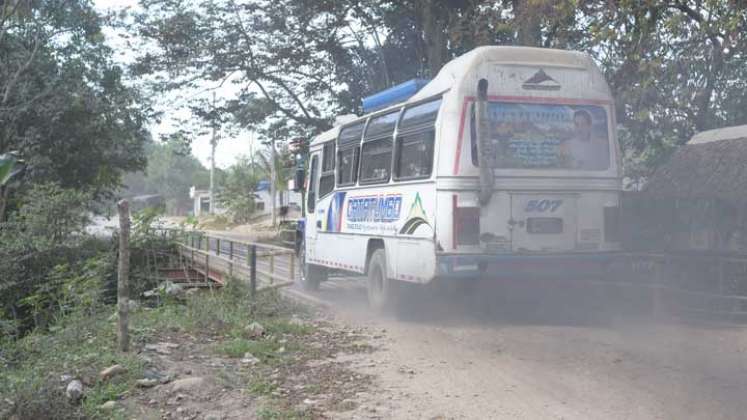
(39, 246)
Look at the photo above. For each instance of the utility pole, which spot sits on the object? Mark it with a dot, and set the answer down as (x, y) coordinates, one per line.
(251, 152)
(273, 177)
(213, 145)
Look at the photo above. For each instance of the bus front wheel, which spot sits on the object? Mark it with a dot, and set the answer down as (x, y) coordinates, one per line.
(382, 293)
(311, 275)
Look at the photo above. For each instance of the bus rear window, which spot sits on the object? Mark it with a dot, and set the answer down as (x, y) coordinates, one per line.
(539, 136)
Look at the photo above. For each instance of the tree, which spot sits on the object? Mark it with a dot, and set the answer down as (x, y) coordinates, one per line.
(675, 66)
(10, 166)
(239, 187)
(63, 105)
(170, 172)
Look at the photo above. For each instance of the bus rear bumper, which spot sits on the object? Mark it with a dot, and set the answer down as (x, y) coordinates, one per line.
(515, 265)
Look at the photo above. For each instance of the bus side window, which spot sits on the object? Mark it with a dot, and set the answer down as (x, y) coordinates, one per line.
(327, 179)
(348, 151)
(376, 161)
(415, 155)
(311, 199)
(376, 152)
(347, 164)
(415, 138)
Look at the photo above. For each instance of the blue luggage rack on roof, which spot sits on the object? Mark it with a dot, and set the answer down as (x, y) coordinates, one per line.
(393, 95)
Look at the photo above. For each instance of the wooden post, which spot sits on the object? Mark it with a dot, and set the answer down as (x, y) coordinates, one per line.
(253, 270)
(123, 275)
(272, 267)
(230, 258)
(658, 284)
(292, 267)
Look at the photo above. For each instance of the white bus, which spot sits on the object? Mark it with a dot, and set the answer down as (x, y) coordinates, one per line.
(507, 160)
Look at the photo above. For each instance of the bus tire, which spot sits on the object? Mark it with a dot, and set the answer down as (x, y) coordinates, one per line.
(311, 275)
(382, 291)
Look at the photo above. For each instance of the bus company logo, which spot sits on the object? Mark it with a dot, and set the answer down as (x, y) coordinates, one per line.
(415, 218)
(382, 208)
(541, 81)
(334, 214)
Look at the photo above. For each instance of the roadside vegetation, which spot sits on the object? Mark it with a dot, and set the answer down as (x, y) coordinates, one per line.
(261, 348)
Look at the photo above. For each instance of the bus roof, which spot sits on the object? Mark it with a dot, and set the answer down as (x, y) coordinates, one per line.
(456, 69)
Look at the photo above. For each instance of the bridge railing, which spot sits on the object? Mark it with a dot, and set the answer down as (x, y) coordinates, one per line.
(217, 258)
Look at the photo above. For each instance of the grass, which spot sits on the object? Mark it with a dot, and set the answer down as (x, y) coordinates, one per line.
(261, 387)
(284, 326)
(82, 346)
(273, 412)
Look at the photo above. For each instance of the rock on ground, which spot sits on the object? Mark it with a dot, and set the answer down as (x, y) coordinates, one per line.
(108, 406)
(74, 390)
(187, 384)
(112, 371)
(255, 329)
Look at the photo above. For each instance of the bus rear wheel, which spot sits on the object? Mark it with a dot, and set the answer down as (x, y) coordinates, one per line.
(382, 291)
(311, 275)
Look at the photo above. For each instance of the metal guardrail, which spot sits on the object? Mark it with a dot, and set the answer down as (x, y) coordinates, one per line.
(704, 284)
(218, 258)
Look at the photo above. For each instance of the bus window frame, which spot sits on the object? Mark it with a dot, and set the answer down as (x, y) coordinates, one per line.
(323, 173)
(356, 146)
(362, 181)
(354, 168)
(313, 192)
(416, 130)
(391, 138)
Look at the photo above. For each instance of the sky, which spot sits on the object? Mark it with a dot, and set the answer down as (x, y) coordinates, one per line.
(229, 148)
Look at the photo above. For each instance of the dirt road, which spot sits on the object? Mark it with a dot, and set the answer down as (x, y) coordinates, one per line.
(456, 356)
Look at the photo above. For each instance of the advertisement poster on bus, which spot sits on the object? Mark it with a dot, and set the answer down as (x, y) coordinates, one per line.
(550, 136)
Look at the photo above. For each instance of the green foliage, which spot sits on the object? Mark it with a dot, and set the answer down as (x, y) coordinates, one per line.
(239, 186)
(52, 214)
(261, 387)
(50, 268)
(81, 345)
(8, 168)
(170, 173)
(674, 67)
(283, 162)
(63, 104)
(46, 259)
(282, 413)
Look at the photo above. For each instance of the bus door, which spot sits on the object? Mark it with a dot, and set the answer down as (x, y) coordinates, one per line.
(543, 222)
(312, 221)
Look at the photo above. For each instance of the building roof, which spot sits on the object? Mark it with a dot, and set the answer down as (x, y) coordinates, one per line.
(712, 165)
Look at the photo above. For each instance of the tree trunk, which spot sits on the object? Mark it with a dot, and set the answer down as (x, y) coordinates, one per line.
(123, 275)
(434, 36)
(527, 14)
(3, 202)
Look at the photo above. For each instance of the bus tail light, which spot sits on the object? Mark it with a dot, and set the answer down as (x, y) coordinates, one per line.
(466, 224)
(611, 224)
